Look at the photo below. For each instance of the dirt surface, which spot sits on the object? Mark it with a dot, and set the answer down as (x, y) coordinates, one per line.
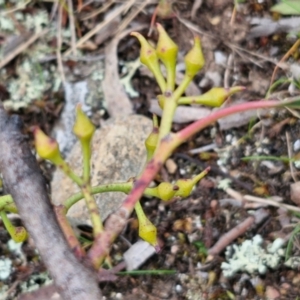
(189, 229)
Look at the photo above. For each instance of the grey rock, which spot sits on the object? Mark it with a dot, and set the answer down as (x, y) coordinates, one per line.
(118, 153)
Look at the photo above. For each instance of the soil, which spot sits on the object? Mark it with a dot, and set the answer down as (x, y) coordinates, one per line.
(190, 227)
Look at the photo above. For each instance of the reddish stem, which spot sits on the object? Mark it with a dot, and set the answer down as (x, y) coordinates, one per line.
(116, 222)
(60, 211)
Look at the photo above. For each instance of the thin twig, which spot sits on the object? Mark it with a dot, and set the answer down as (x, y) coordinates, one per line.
(98, 11)
(18, 7)
(284, 58)
(91, 33)
(132, 15)
(21, 48)
(72, 26)
(59, 42)
(264, 201)
(226, 82)
(288, 145)
(237, 231)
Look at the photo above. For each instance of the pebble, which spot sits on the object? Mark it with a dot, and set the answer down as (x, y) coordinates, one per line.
(295, 192)
(272, 293)
(296, 146)
(171, 166)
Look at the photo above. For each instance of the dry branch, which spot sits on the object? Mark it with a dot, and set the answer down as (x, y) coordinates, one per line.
(24, 181)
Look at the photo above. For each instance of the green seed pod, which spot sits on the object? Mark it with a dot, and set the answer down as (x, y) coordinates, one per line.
(46, 147)
(18, 234)
(166, 191)
(83, 127)
(166, 49)
(167, 52)
(194, 60)
(148, 232)
(185, 187)
(149, 58)
(152, 139)
(215, 97)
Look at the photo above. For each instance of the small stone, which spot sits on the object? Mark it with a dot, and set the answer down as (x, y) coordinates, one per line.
(137, 254)
(272, 293)
(178, 288)
(296, 146)
(118, 153)
(171, 166)
(174, 249)
(295, 192)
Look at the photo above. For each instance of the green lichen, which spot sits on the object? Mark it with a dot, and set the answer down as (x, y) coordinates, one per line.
(31, 83)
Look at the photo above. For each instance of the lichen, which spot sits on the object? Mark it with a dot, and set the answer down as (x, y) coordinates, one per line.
(5, 268)
(251, 257)
(30, 84)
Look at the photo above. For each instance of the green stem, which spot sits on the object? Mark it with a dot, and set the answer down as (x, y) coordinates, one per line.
(200, 100)
(160, 79)
(124, 187)
(182, 87)
(86, 152)
(93, 210)
(171, 71)
(61, 163)
(170, 106)
(139, 211)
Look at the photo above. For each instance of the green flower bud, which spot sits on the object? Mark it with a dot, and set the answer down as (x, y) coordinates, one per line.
(18, 234)
(83, 127)
(148, 232)
(167, 51)
(46, 147)
(166, 191)
(194, 60)
(215, 97)
(151, 141)
(185, 186)
(149, 58)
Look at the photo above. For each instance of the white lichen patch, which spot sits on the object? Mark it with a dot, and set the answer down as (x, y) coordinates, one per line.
(35, 282)
(5, 268)
(130, 69)
(30, 85)
(35, 20)
(251, 257)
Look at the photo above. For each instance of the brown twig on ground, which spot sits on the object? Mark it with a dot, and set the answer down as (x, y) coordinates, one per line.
(284, 58)
(92, 32)
(72, 26)
(23, 180)
(59, 43)
(237, 231)
(288, 145)
(21, 48)
(264, 201)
